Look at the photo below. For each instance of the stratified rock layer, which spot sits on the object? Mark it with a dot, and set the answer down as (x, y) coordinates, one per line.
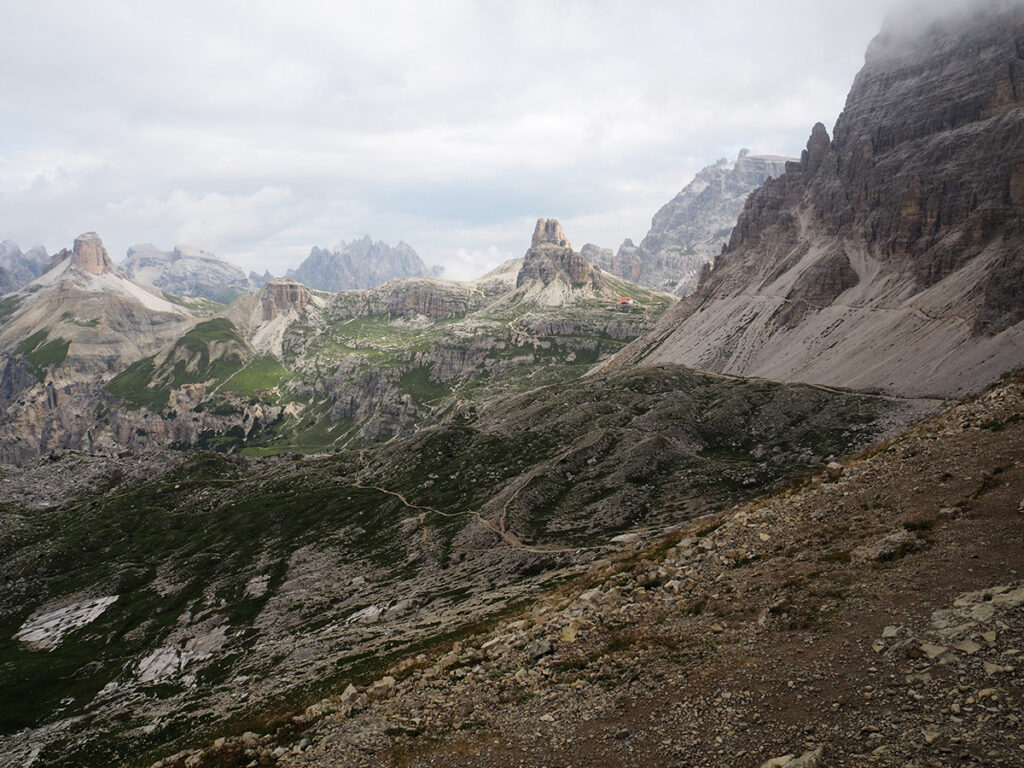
(889, 257)
(281, 296)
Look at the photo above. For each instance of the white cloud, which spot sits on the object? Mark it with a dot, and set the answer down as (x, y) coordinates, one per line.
(258, 129)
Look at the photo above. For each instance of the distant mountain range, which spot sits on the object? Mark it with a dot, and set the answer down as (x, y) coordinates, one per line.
(360, 264)
(286, 364)
(188, 271)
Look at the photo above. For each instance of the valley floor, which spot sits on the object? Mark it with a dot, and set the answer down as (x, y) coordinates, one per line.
(870, 618)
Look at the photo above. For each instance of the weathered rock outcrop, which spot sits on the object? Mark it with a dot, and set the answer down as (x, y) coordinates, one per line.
(890, 257)
(407, 298)
(359, 264)
(281, 296)
(691, 229)
(551, 258)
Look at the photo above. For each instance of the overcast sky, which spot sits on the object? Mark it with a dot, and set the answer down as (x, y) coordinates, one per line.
(259, 129)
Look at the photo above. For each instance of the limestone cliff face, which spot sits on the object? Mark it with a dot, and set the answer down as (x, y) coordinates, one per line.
(690, 230)
(407, 298)
(281, 296)
(890, 256)
(90, 255)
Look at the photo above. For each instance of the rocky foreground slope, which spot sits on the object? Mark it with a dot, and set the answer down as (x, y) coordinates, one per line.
(873, 617)
(890, 256)
(146, 607)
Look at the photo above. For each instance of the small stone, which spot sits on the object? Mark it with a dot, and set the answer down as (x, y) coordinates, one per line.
(967, 646)
(994, 669)
(983, 612)
(349, 692)
(930, 736)
(539, 648)
(448, 661)
(878, 646)
(382, 688)
(890, 631)
(933, 651)
(807, 760)
(834, 470)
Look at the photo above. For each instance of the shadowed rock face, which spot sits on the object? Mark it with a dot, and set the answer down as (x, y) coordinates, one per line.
(890, 256)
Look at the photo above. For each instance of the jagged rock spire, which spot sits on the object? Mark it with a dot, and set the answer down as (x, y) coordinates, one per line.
(549, 231)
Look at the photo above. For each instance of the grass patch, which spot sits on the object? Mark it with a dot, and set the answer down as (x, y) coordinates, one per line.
(259, 375)
(41, 355)
(133, 386)
(8, 306)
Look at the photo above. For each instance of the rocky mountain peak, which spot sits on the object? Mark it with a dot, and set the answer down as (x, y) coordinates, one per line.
(689, 231)
(283, 295)
(90, 255)
(817, 147)
(550, 258)
(549, 231)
